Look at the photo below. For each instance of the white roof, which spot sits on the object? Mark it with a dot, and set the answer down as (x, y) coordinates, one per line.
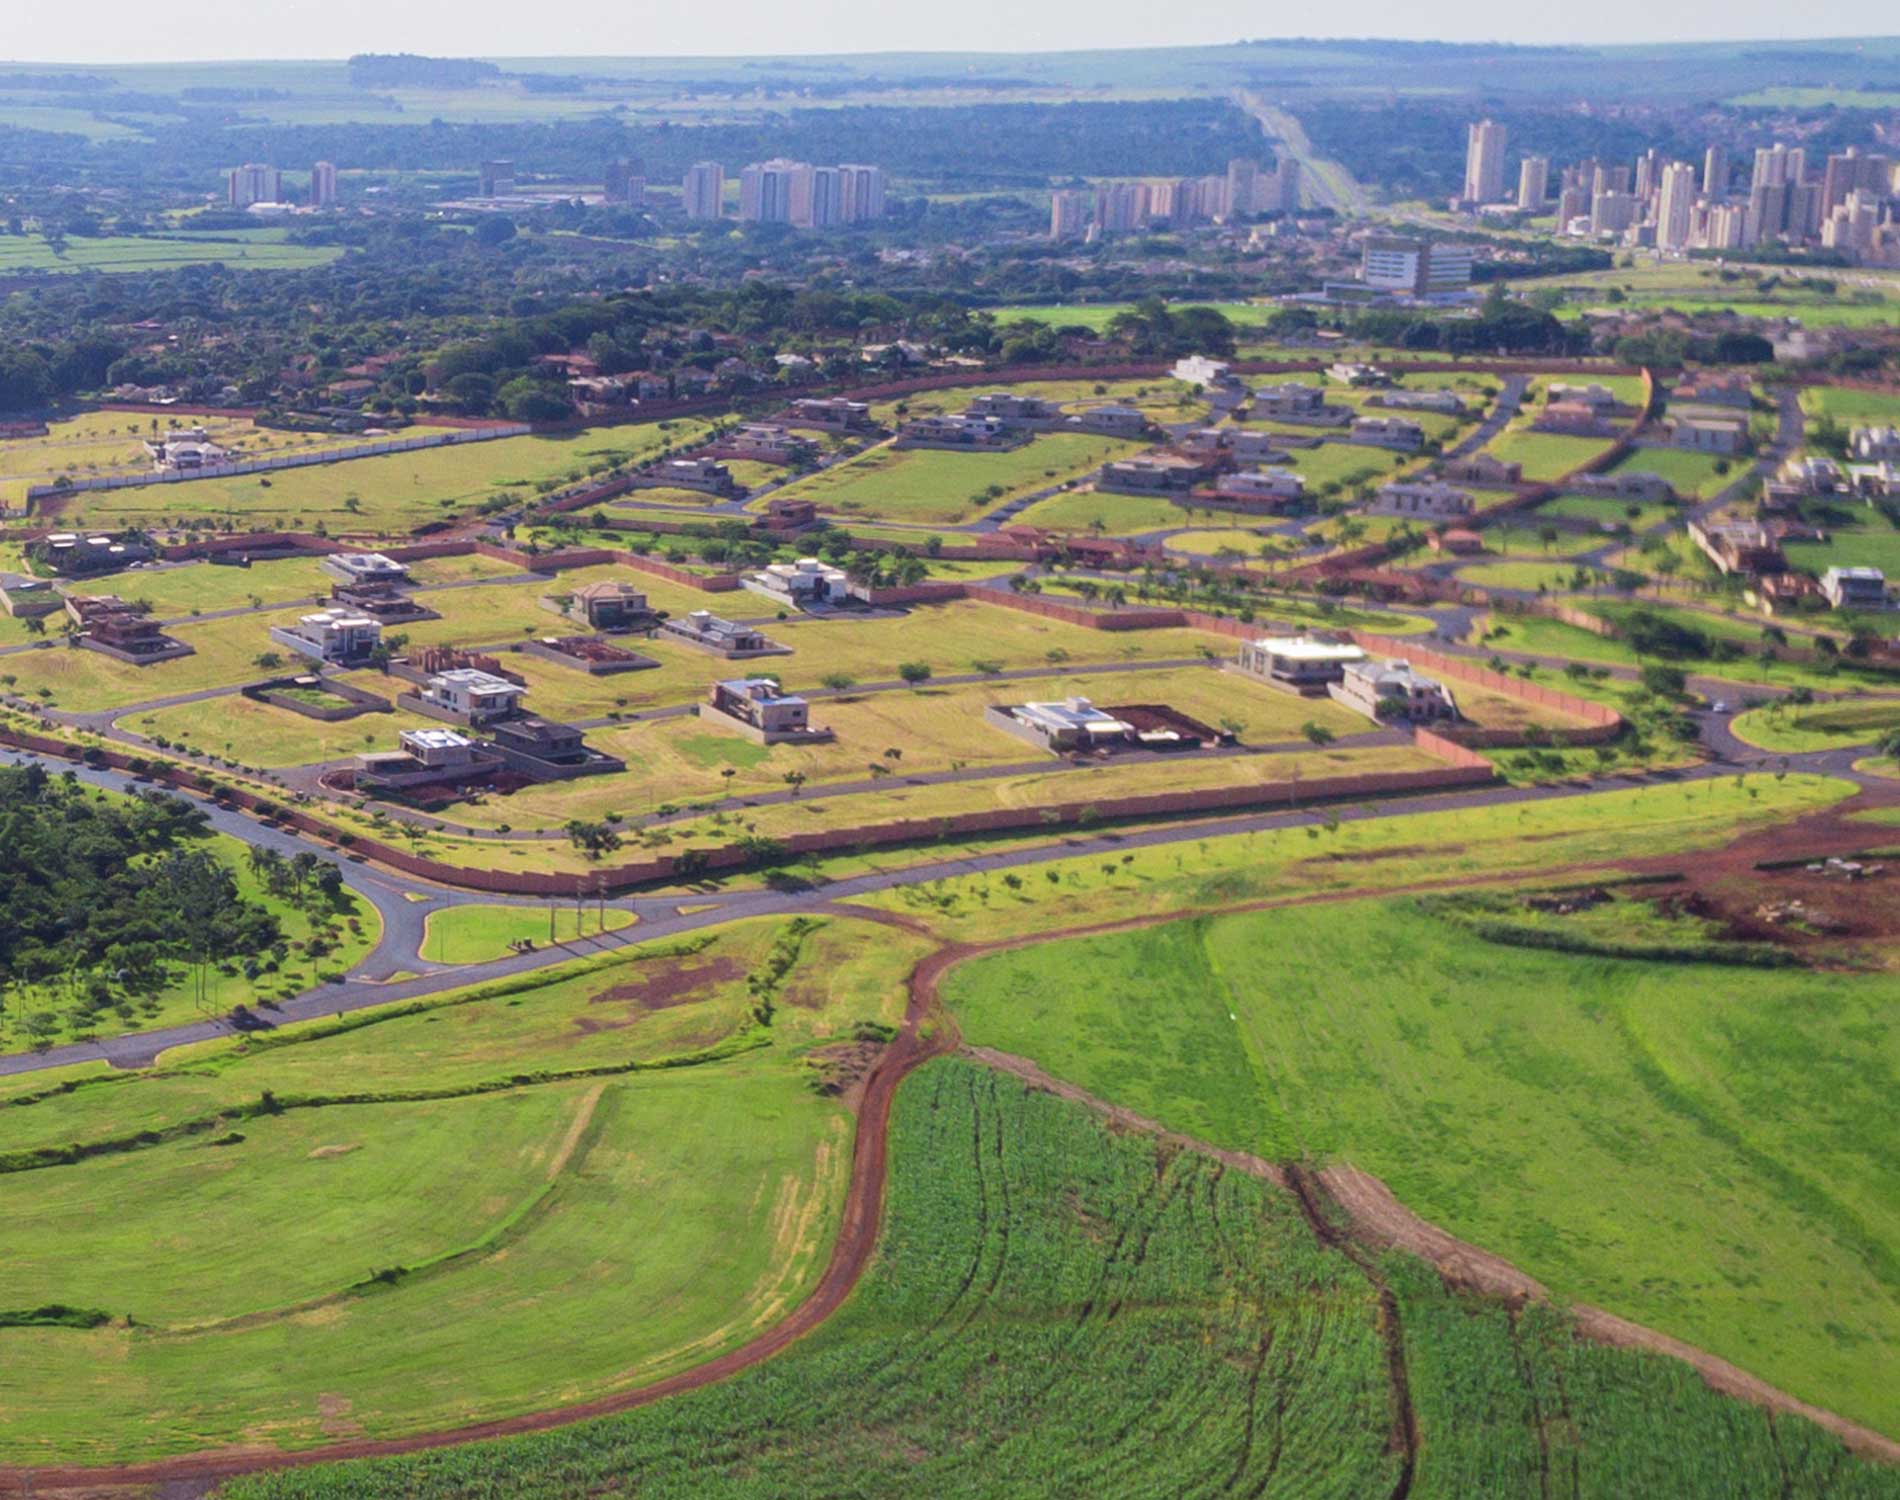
(477, 681)
(1307, 648)
(435, 739)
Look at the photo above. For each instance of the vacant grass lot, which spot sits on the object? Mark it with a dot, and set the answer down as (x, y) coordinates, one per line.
(1819, 726)
(263, 735)
(525, 1278)
(932, 485)
(203, 587)
(475, 934)
(1109, 515)
(393, 493)
(1850, 408)
(1608, 512)
(1696, 476)
(1544, 455)
(1670, 1141)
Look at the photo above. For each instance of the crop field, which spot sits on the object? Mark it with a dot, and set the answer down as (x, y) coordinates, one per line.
(1544, 455)
(1606, 1122)
(118, 253)
(475, 934)
(1138, 1322)
(390, 494)
(932, 485)
(1819, 726)
(516, 1278)
(1696, 476)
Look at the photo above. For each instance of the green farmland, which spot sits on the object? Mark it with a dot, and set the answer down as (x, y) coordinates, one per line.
(1609, 1123)
(258, 251)
(1055, 1308)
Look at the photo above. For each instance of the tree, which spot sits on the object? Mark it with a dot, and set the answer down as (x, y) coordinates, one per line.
(1317, 733)
(838, 682)
(916, 673)
(593, 839)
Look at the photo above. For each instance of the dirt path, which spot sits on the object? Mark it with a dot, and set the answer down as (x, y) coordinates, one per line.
(927, 1033)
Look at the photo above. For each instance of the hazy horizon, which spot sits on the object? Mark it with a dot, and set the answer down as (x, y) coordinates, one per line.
(120, 32)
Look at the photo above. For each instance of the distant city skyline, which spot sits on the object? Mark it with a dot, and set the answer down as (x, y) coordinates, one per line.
(130, 31)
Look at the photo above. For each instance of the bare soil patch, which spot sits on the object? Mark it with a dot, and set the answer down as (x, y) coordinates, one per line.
(664, 986)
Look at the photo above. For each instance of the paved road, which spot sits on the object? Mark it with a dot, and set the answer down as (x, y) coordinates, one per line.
(405, 903)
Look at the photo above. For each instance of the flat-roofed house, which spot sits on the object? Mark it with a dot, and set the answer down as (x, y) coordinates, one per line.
(1391, 689)
(1065, 724)
(1855, 588)
(1424, 499)
(1874, 445)
(428, 757)
(1112, 420)
(759, 708)
(1719, 435)
(364, 567)
(471, 696)
(1739, 546)
(801, 584)
(342, 637)
(706, 630)
(1397, 433)
(1152, 474)
(1265, 491)
(1299, 661)
(548, 751)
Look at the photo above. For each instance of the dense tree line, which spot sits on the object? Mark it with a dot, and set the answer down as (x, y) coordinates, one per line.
(109, 899)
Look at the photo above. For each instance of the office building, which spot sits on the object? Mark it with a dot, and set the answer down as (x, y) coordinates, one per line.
(323, 185)
(1649, 174)
(1286, 182)
(1767, 207)
(1726, 228)
(1609, 180)
(1415, 267)
(1573, 203)
(1122, 206)
(1772, 165)
(497, 179)
(254, 183)
(1533, 183)
(817, 198)
(1484, 162)
(1675, 207)
(703, 190)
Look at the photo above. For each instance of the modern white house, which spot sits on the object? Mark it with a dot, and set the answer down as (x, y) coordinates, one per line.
(1398, 433)
(1855, 588)
(331, 635)
(801, 584)
(1064, 724)
(1268, 490)
(472, 696)
(364, 567)
(1299, 661)
(1198, 369)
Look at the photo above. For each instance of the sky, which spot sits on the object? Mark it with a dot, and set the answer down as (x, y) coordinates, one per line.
(118, 31)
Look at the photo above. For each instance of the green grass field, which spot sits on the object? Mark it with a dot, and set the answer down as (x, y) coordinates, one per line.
(1544, 455)
(932, 485)
(1096, 316)
(475, 934)
(389, 494)
(1820, 726)
(1696, 476)
(1057, 1308)
(119, 253)
(1850, 408)
(555, 1238)
(1607, 512)
(1666, 1140)
(1112, 515)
